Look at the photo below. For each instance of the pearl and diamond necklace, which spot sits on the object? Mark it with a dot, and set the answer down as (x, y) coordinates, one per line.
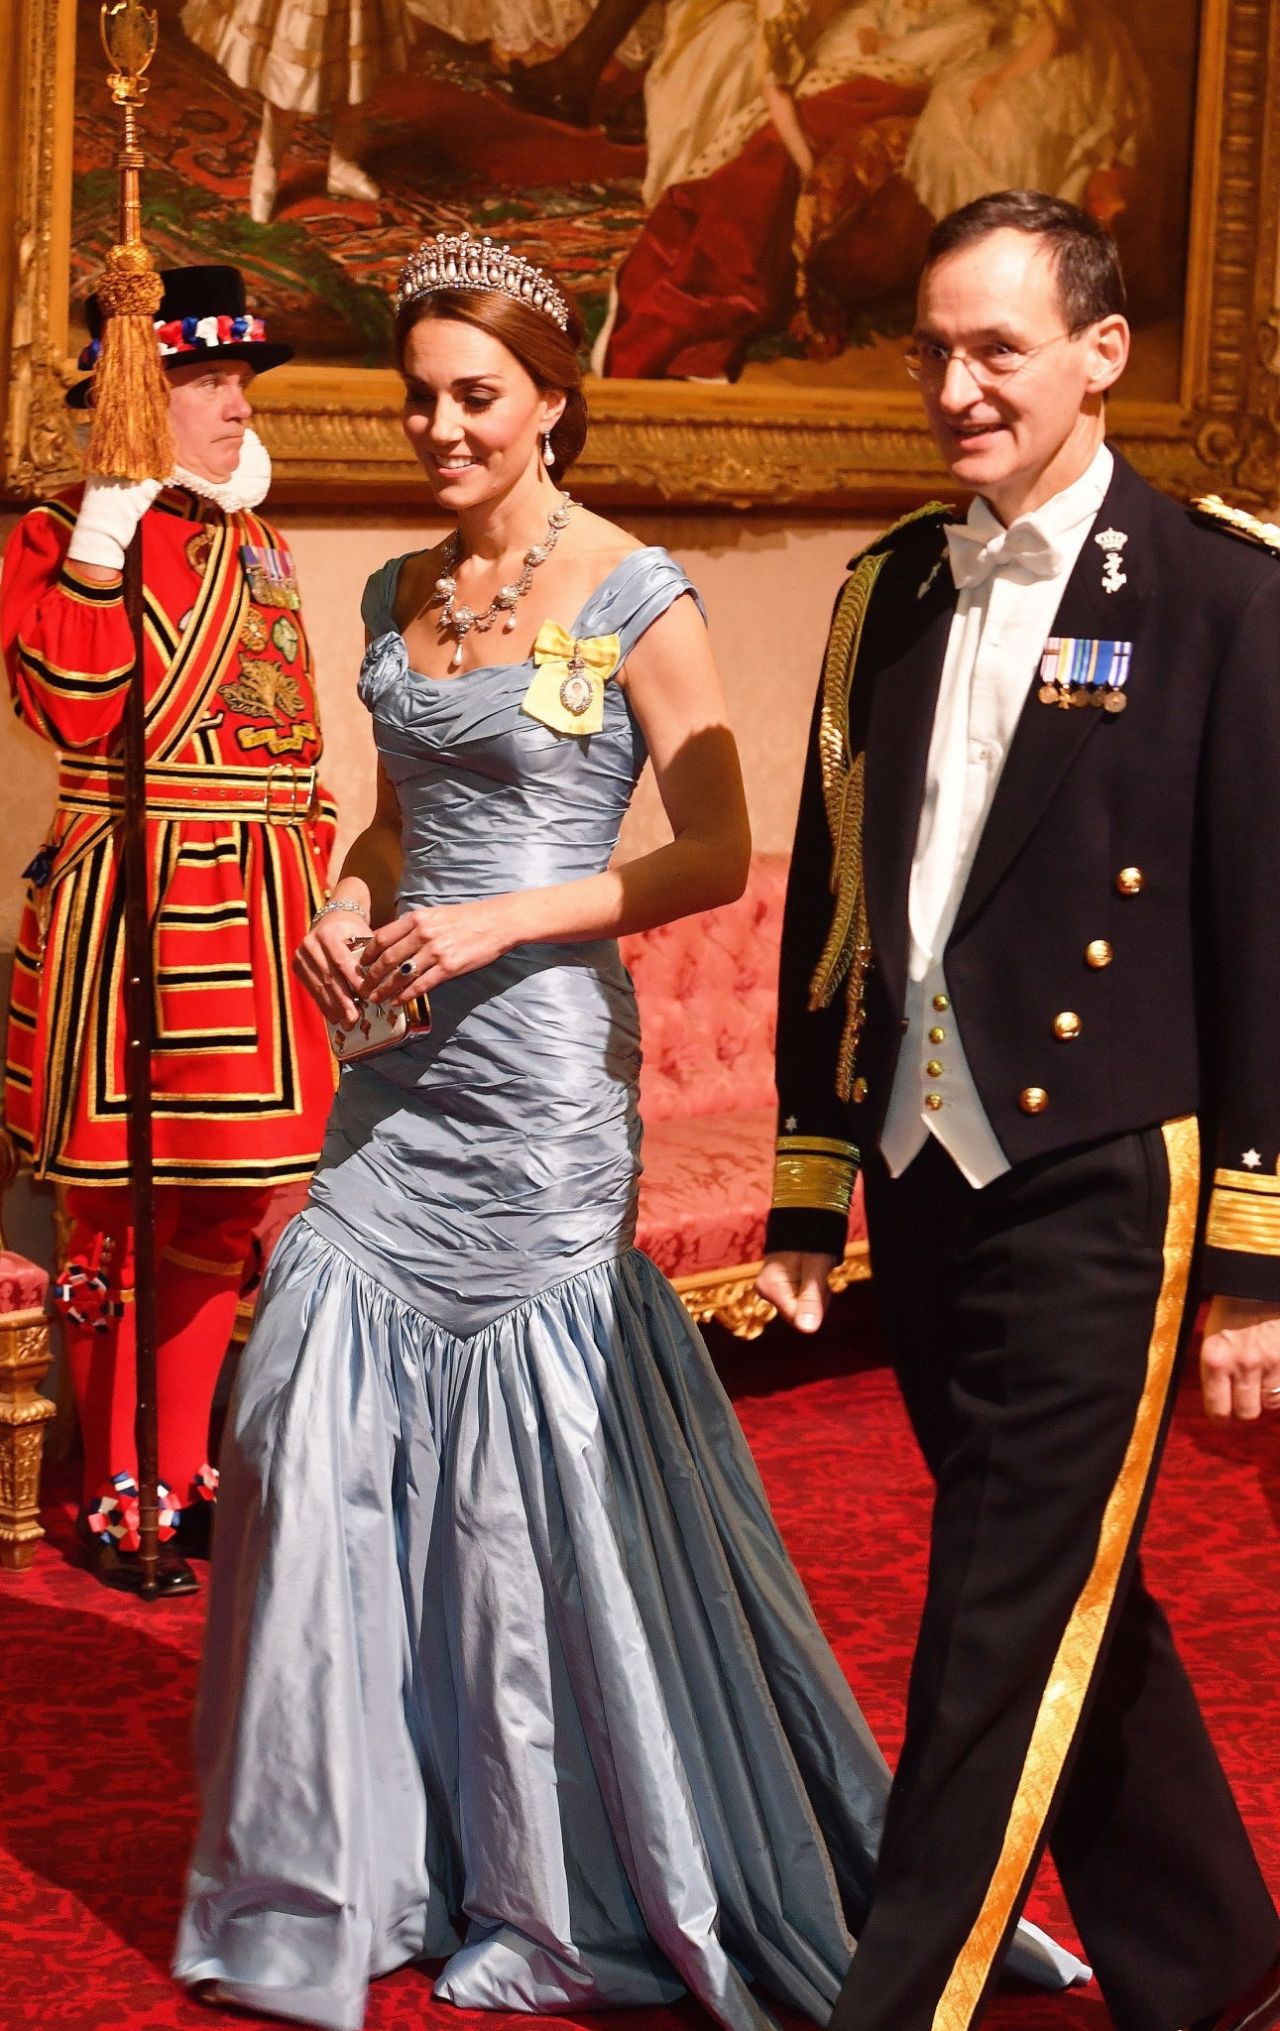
(463, 618)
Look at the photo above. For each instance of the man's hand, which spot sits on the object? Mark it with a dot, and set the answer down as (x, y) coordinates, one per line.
(109, 514)
(797, 1285)
(1240, 1358)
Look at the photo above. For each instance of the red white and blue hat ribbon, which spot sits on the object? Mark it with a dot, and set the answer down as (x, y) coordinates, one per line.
(177, 336)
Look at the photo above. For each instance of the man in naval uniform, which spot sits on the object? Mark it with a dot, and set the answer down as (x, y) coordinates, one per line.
(238, 839)
(1030, 977)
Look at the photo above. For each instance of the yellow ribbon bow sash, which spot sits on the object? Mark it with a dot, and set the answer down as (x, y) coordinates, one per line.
(567, 692)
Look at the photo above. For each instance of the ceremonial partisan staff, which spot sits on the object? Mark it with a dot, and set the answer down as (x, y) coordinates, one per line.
(130, 439)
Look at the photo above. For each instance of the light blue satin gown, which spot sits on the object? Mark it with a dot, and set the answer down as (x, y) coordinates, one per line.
(506, 1663)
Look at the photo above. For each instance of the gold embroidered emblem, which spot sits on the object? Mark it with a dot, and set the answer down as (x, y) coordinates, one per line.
(198, 547)
(262, 690)
(286, 637)
(253, 631)
(290, 742)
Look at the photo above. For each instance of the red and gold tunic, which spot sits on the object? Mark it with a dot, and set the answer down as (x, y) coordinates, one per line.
(239, 834)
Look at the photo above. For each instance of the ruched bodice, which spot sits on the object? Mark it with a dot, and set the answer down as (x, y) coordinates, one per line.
(517, 1113)
(490, 798)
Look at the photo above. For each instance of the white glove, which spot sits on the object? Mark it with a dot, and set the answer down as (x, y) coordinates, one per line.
(109, 514)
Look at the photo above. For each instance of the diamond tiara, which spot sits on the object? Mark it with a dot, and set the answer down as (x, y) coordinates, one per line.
(456, 261)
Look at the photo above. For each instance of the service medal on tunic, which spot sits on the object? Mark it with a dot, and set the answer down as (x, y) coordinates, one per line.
(270, 575)
(1075, 671)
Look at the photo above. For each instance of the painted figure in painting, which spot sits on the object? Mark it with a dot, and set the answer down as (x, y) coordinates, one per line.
(535, 41)
(1057, 102)
(796, 163)
(305, 57)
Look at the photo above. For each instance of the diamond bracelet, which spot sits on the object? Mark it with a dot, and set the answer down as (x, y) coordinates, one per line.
(338, 903)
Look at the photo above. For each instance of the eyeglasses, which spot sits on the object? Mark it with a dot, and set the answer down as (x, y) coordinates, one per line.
(993, 361)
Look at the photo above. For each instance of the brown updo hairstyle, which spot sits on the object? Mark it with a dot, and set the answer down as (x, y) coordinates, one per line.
(548, 355)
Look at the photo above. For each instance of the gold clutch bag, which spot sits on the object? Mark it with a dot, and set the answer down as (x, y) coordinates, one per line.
(379, 1028)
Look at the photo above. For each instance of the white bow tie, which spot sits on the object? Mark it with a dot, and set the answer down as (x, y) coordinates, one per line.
(974, 556)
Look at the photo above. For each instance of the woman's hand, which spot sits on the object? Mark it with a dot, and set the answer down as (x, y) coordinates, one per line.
(328, 963)
(423, 947)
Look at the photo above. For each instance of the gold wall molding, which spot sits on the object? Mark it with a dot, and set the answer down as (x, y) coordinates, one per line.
(334, 432)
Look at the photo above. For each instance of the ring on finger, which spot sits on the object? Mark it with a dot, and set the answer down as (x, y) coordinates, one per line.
(406, 967)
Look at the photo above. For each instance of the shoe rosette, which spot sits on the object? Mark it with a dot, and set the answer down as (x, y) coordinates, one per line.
(204, 1484)
(84, 1293)
(115, 1515)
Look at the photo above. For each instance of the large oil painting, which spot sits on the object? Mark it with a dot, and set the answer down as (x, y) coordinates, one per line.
(737, 192)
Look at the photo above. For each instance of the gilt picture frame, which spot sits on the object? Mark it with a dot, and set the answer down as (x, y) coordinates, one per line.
(777, 437)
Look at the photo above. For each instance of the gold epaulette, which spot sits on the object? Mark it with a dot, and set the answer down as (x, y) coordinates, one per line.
(887, 536)
(846, 953)
(1237, 521)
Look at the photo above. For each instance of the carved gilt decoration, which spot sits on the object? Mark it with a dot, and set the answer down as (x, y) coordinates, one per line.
(334, 434)
(25, 1355)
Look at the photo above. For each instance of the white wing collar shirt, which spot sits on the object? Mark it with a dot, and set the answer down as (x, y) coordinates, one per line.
(1011, 582)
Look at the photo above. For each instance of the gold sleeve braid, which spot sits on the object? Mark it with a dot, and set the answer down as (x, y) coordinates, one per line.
(814, 1171)
(1244, 1213)
(846, 954)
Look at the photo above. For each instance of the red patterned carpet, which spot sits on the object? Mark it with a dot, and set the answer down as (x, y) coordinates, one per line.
(95, 1789)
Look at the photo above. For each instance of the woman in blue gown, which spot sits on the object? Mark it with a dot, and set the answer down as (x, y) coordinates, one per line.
(506, 1665)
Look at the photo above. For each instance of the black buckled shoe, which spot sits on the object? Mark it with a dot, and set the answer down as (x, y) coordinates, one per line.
(1257, 2010)
(122, 1570)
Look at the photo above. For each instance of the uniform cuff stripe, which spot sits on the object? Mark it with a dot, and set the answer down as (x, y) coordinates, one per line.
(1244, 1213)
(821, 1183)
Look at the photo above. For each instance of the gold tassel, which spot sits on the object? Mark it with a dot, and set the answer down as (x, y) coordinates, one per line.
(130, 436)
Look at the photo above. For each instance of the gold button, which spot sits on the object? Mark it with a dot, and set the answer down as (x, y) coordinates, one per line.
(1067, 1025)
(933, 1102)
(937, 1036)
(941, 1002)
(1098, 953)
(1033, 1100)
(934, 1068)
(1130, 881)
(859, 1091)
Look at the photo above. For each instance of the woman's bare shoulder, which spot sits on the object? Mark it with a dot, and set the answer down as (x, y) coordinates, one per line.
(417, 581)
(601, 540)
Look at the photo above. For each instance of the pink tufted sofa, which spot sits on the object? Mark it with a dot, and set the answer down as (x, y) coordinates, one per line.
(707, 989)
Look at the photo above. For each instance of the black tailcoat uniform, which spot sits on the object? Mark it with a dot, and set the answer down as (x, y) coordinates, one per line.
(1114, 974)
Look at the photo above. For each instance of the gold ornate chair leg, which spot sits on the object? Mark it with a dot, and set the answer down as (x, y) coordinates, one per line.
(25, 1355)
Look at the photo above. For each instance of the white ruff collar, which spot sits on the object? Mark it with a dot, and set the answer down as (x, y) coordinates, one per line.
(245, 488)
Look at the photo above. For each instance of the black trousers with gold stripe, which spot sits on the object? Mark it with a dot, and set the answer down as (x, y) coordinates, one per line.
(1035, 1330)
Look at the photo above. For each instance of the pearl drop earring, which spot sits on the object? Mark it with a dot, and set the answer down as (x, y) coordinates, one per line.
(548, 456)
